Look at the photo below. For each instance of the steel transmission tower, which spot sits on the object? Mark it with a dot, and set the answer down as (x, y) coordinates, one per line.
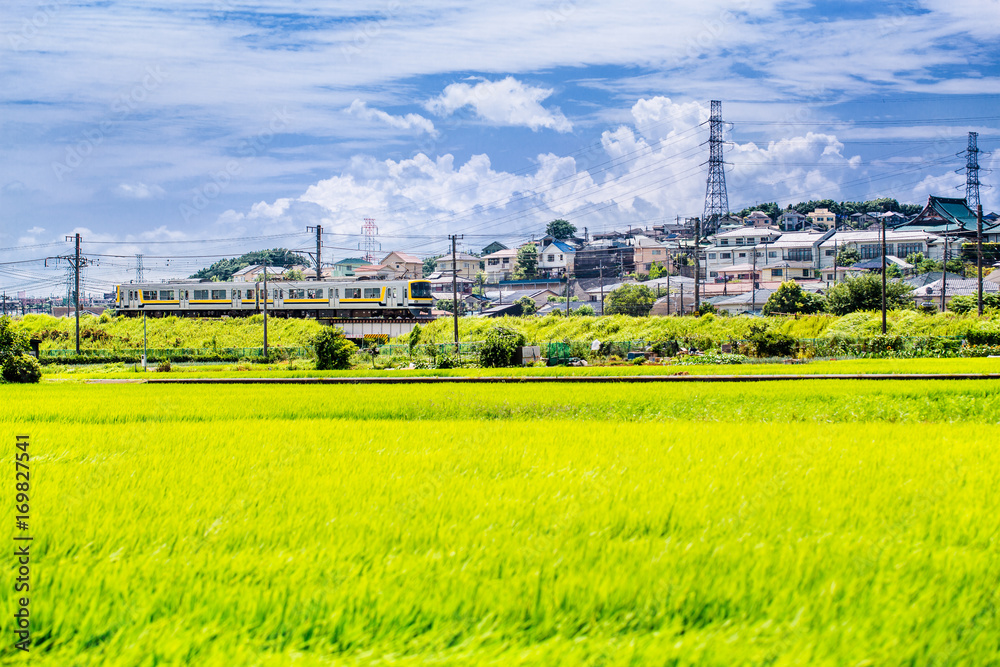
(716, 200)
(370, 232)
(972, 172)
(139, 268)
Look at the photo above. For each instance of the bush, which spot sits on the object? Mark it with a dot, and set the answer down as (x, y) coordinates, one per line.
(13, 343)
(333, 350)
(763, 341)
(21, 368)
(500, 347)
(636, 300)
(163, 366)
(791, 299)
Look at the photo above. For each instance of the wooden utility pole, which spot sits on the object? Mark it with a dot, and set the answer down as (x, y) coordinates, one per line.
(944, 272)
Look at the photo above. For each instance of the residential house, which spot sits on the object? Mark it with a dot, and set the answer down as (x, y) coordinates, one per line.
(930, 295)
(468, 265)
(822, 217)
(758, 219)
(496, 246)
(900, 243)
(791, 221)
(374, 272)
(556, 259)
(647, 251)
(607, 258)
(405, 265)
(500, 265)
(252, 274)
(442, 284)
(345, 267)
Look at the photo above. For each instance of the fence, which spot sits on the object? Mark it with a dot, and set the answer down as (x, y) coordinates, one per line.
(176, 354)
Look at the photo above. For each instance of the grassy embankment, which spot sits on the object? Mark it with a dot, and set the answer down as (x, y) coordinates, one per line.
(806, 523)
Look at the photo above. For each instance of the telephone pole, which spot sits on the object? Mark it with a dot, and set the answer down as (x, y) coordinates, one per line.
(979, 254)
(697, 267)
(883, 276)
(454, 284)
(77, 261)
(319, 249)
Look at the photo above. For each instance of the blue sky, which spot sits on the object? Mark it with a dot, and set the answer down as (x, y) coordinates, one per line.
(158, 130)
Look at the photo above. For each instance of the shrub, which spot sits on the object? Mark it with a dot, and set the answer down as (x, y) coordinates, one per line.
(636, 300)
(500, 347)
(333, 350)
(21, 368)
(528, 306)
(13, 342)
(763, 341)
(791, 299)
(163, 366)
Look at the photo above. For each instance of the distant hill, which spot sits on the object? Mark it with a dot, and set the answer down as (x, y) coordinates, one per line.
(224, 269)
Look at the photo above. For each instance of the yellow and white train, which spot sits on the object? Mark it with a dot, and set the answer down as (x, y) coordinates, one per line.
(327, 299)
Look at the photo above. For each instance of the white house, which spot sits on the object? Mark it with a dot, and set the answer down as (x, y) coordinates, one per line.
(556, 259)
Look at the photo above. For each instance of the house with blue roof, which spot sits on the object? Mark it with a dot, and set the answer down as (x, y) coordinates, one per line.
(556, 259)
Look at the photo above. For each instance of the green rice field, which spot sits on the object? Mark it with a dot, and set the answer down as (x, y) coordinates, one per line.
(804, 523)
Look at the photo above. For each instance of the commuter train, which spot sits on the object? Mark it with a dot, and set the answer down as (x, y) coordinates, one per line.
(327, 299)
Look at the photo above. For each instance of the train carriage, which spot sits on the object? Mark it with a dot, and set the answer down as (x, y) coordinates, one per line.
(324, 299)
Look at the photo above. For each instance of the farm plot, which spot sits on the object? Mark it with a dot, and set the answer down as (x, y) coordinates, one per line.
(812, 523)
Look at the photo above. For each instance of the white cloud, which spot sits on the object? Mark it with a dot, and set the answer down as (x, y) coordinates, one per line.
(506, 102)
(410, 121)
(36, 230)
(139, 191)
(651, 169)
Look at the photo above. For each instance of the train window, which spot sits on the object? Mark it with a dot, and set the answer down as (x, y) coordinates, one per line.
(249, 294)
(166, 295)
(315, 294)
(373, 292)
(218, 294)
(296, 294)
(336, 293)
(352, 292)
(201, 294)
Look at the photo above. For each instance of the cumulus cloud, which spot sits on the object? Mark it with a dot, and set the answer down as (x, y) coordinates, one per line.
(506, 102)
(139, 191)
(651, 168)
(410, 121)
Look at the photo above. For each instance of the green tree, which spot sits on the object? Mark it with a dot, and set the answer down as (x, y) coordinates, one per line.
(968, 303)
(560, 229)
(224, 269)
(526, 265)
(791, 299)
(480, 283)
(892, 271)
(584, 311)
(634, 300)
(430, 265)
(449, 305)
(864, 292)
(921, 264)
(333, 350)
(499, 349)
(848, 256)
(16, 365)
(528, 306)
(294, 274)
(656, 270)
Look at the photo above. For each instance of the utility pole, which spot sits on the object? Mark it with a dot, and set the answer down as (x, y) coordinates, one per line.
(265, 312)
(979, 253)
(753, 281)
(454, 284)
(670, 266)
(77, 262)
(567, 295)
(883, 275)
(319, 249)
(944, 273)
(697, 267)
(600, 268)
